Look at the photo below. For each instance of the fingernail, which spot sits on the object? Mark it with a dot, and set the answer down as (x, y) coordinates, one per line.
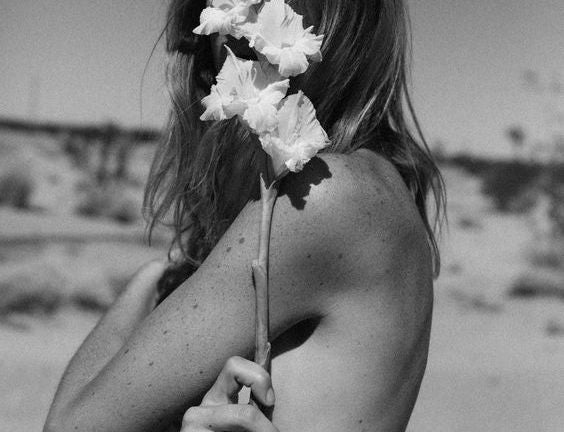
(270, 399)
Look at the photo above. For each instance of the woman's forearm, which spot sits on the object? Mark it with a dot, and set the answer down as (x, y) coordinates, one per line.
(106, 339)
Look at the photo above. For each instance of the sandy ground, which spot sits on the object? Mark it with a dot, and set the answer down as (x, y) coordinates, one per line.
(494, 363)
(31, 363)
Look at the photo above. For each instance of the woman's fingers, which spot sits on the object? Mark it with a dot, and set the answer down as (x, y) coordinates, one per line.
(236, 373)
(232, 418)
(219, 410)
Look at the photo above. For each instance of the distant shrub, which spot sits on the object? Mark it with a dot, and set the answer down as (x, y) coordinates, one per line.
(89, 287)
(16, 188)
(548, 257)
(43, 286)
(554, 328)
(513, 185)
(539, 285)
(31, 288)
(7, 148)
(89, 302)
(95, 203)
(108, 202)
(556, 211)
(454, 268)
(76, 148)
(467, 222)
(471, 164)
(509, 185)
(474, 301)
(124, 211)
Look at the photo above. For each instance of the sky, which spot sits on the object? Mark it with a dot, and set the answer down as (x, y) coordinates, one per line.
(83, 61)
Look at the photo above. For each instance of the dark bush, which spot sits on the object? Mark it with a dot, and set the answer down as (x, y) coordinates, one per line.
(16, 187)
(108, 202)
(509, 184)
(125, 211)
(539, 285)
(474, 165)
(95, 203)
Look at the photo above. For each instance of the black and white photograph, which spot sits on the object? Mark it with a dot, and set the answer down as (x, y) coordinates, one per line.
(281, 216)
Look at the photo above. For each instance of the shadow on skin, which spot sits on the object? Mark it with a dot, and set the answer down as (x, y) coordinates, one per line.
(294, 337)
(298, 185)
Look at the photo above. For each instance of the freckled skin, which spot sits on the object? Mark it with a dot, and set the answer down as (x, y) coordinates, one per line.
(367, 287)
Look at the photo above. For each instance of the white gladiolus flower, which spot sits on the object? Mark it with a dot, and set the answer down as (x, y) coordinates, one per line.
(297, 138)
(281, 37)
(227, 17)
(287, 127)
(250, 89)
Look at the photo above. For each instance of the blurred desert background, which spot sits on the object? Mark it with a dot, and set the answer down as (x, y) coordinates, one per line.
(77, 134)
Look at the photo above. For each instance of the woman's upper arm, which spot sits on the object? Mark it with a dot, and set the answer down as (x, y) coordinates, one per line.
(316, 253)
(176, 353)
(174, 356)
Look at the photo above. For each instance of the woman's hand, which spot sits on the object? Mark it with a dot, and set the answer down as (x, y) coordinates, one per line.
(219, 410)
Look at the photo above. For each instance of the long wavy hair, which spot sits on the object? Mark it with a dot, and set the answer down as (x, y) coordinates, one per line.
(199, 177)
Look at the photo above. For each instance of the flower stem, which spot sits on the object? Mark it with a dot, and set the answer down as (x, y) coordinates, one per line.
(260, 279)
(260, 276)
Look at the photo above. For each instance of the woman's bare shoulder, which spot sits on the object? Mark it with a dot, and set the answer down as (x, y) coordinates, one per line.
(357, 194)
(351, 217)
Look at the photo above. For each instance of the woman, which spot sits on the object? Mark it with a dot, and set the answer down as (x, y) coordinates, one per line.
(352, 254)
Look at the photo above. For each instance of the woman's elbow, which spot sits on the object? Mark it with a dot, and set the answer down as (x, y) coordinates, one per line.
(52, 424)
(58, 420)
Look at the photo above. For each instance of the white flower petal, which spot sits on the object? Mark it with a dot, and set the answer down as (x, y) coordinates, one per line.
(223, 4)
(316, 57)
(248, 30)
(261, 117)
(266, 74)
(232, 109)
(214, 20)
(310, 44)
(270, 21)
(308, 129)
(271, 52)
(214, 106)
(235, 74)
(292, 62)
(281, 37)
(228, 17)
(274, 92)
(250, 89)
(274, 147)
(298, 137)
(296, 165)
